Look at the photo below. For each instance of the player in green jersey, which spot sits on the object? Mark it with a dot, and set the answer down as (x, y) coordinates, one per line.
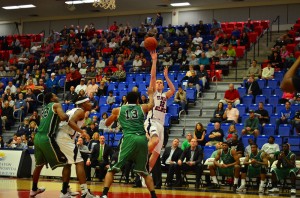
(134, 145)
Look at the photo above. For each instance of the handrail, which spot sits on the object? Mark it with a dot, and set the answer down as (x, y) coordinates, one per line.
(38, 97)
(64, 86)
(278, 23)
(216, 89)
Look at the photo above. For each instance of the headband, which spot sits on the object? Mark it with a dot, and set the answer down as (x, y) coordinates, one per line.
(82, 101)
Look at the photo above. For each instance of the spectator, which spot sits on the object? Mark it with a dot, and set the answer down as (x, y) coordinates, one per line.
(35, 117)
(262, 114)
(31, 101)
(94, 141)
(271, 148)
(110, 98)
(218, 113)
(23, 129)
(286, 96)
(81, 86)
(276, 60)
(253, 70)
(102, 127)
(161, 41)
(296, 122)
(102, 89)
(32, 128)
(203, 76)
(73, 78)
(71, 96)
(224, 63)
(21, 106)
(286, 115)
(92, 88)
(94, 102)
(124, 100)
(296, 99)
(30, 142)
(231, 96)
(252, 87)
(13, 89)
(8, 93)
(7, 116)
(215, 27)
(52, 84)
(142, 31)
(251, 125)
(180, 98)
(87, 120)
(199, 134)
(244, 40)
(193, 81)
(186, 142)
(231, 115)
(231, 52)
(169, 159)
(92, 129)
(268, 72)
(100, 63)
(119, 75)
(231, 130)
(236, 144)
(194, 60)
(198, 39)
(19, 144)
(248, 27)
(216, 135)
(2, 144)
(158, 20)
(100, 156)
(114, 27)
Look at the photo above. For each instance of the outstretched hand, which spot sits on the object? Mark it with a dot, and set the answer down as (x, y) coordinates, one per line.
(153, 55)
(166, 71)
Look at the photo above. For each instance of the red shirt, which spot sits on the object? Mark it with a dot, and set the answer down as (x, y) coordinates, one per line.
(75, 76)
(231, 95)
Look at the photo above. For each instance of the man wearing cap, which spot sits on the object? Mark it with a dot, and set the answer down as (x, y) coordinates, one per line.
(81, 86)
(52, 84)
(251, 125)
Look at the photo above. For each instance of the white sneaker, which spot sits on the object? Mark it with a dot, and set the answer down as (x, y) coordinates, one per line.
(274, 190)
(103, 196)
(241, 189)
(293, 191)
(261, 189)
(143, 182)
(38, 191)
(88, 195)
(67, 195)
(72, 193)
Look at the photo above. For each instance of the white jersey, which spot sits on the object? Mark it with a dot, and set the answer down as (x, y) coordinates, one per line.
(65, 131)
(160, 107)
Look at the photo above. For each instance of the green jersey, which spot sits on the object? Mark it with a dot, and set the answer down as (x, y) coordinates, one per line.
(227, 158)
(285, 164)
(257, 157)
(49, 122)
(131, 118)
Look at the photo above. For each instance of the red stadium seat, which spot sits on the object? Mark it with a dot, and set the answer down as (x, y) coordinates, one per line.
(290, 47)
(297, 54)
(258, 29)
(240, 24)
(240, 51)
(297, 27)
(265, 24)
(228, 31)
(256, 23)
(253, 37)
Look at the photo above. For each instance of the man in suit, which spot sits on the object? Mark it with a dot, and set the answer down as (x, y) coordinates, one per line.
(190, 160)
(100, 156)
(252, 86)
(170, 159)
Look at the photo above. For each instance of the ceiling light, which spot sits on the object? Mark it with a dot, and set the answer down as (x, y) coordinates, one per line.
(180, 4)
(18, 7)
(79, 2)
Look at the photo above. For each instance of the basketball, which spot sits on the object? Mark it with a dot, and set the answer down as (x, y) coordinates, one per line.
(150, 44)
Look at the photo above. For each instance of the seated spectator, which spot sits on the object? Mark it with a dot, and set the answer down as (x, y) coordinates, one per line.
(81, 86)
(262, 114)
(252, 87)
(248, 27)
(218, 113)
(231, 130)
(102, 89)
(86, 120)
(102, 127)
(203, 76)
(7, 116)
(161, 41)
(119, 75)
(271, 148)
(31, 100)
(100, 63)
(12, 141)
(286, 96)
(199, 134)
(286, 115)
(2, 143)
(92, 88)
(203, 60)
(71, 96)
(12, 87)
(236, 143)
(231, 96)
(296, 99)
(276, 60)
(100, 158)
(30, 142)
(224, 63)
(110, 98)
(21, 106)
(215, 27)
(229, 166)
(216, 135)
(186, 142)
(32, 128)
(144, 99)
(169, 159)
(296, 122)
(192, 156)
(251, 125)
(180, 98)
(52, 84)
(268, 72)
(194, 60)
(94, 102)
(8, 93)
(210, 53)
(231, 115)
(92, 129)
(193, 81)
(254, 69)
(197, 40)
(19, 144)
(124, 100)
(23, 129)
(231, 51)
(73, 79)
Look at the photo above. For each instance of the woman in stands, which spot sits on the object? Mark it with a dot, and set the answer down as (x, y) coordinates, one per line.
(199, 134)
(231, 130)
(218, 113)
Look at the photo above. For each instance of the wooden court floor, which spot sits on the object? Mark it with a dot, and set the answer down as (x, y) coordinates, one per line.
(20, 188)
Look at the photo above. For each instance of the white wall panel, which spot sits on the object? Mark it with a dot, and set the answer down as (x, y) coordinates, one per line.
(37, 27)
(269, 13)
(232, 14)
(193, 17)
(293, 13)
(8, 29)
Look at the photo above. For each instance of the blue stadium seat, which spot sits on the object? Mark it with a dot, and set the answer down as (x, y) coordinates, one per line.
(261, 140)
(173, 109)
(242, 108)
(116, 139)
(273, 83)
(180, 76)
(260, 98)
(239, 127)
(279, 107)
(273, 118)
(130, 78)
(139, 78)
(261, 83)
(95, 114)
(267, 91)
(294, 143)
(71, 106)
(131, 85)
(115, 92)
(210, 127)
(167, 120)
(242, 91)
(273, 100)
(144, 92)
(123, 92)
(116, 105)
(112, 86)
(244, 117)
(122, 85)
(269, 108)
(247, 100)
(208, 151)
(278, 92)
(102, 100)
(107, 137)
(160, 76)
(64, 107)
(143, 85)
(225, 127)
(284, 130)
(253, 107)
(278, 75)
(278, 139)
(245, 139)
(191, 95)
(172, 76)
(104, 108)
(269, 129)
(147, 77)
(295, 107)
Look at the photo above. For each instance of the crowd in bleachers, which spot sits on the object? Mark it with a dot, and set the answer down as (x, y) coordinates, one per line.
(106, 64)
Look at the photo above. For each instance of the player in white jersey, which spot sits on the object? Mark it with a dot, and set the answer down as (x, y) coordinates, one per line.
(154, 124)
(65, 139)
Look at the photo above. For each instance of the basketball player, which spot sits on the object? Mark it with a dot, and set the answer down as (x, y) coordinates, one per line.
(154, 124)
(134, 145)
(65, 139)
(46, 149)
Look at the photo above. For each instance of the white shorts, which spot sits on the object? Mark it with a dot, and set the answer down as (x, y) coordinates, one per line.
(70, 150)
(153, 127)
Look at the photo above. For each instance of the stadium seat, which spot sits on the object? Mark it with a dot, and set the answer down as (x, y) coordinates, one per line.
(64, 107)
(242, 91)
(180, 76)
(210, 127)
(139, 78)
(294, 143)
(208, 151)
(247, 100)
(261, 83)
(242, 108)
(102, 100)
(284, 130)
(273, 100)
(295, 107)
(278, 75)
(71, 106)
(269, 108)
(267, 91)
(273, 83)
(253, 107)
(116, 139)
(273, 118)
(269, 129)
(278, 92)
(261, 140)
(122, 85)
(239, 127)
(191, 95)
(130, 78)
(245, 139)
(278, 140)
(225, 127)
(173, 109)
(131, 85)
(167, 120)
(244, 117)
(123, 92)
(260, 98)
(279, 107)
(107, 137)
(112, 86)
(104, 108)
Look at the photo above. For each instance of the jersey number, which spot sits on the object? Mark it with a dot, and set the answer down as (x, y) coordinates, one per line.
(133, 114)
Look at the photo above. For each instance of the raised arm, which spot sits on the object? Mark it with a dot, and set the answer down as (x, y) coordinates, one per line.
(153, 69)
(287, 81)
(171, 92)
(58, 109)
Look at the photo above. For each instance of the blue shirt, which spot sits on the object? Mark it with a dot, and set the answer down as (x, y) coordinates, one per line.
(288, 114)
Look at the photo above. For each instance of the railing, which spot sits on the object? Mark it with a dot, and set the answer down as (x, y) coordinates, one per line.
(62, 84)
(278, 24)
(41, 101)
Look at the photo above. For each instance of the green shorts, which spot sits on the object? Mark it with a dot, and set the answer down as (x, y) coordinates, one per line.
(135, 148)
(46, 151)
(282, 173)
(255, 171)
(229, 171)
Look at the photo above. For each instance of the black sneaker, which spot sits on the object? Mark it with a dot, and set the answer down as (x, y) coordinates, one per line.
(213, 186)
(234, 187)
